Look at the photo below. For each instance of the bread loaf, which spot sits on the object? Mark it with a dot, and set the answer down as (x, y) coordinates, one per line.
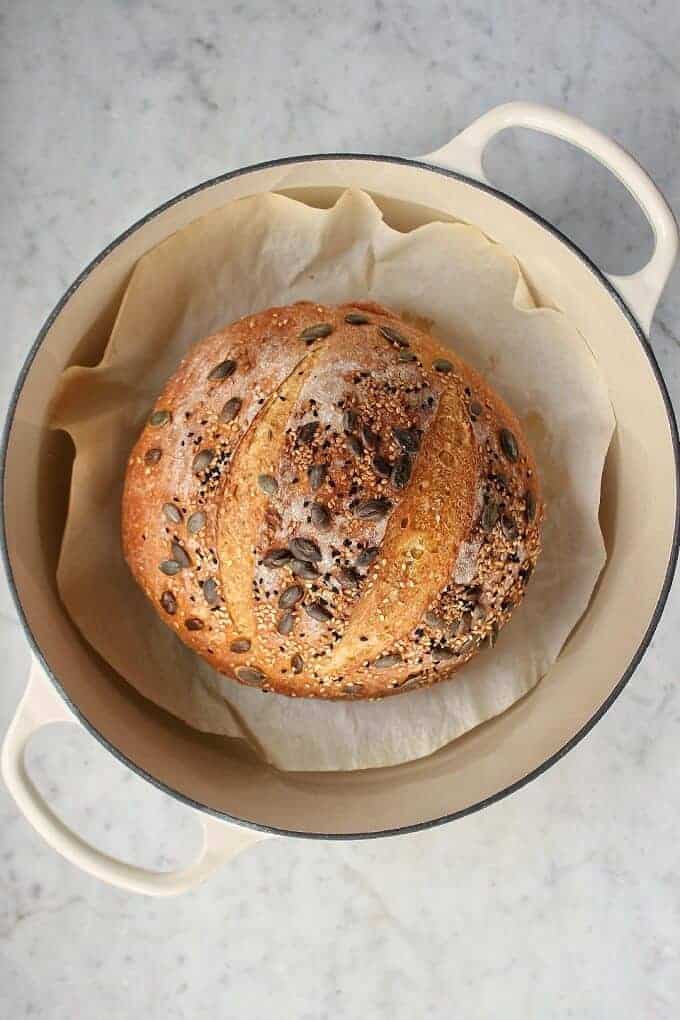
(326, 503)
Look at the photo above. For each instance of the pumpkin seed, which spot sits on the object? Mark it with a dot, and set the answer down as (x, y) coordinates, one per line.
(159, 418)
(371, 438)
(365, 558)
(170, 567)
(509, 527)
(320, 516)
(210, 592)
(357, 319)
(529, 506)
(317, 611)
(443, 654)
(268, 484)
(394, 336)
(305, 549)
(180, 555)
(382, 466)
(277, 558)
(317, 476)
(442, 365)
(286, 623)
(153, 455)
(407, 356)
(291, 596)
(240, 645)
(195, 522)
(476, 409)
(408, 439)
(306, 432)
(387, 661)
(250, 676)
(194, 623)
(169, 602)
(231, 409)
(434, 621)
(202, 460)
(222, 371)
(402, 471)
(352, 688)
(350, 420)
(509, 444)
(171, 513)
(412, 680)
(296, 663)
(490, 515)
(372, 509)
(348, 577)
(355, 445)
(307, 571)
(318, 332)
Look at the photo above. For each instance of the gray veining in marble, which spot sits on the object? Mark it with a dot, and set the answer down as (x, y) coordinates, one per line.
(563, 901)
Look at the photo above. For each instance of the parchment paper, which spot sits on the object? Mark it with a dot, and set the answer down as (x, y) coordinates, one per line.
(269, 250)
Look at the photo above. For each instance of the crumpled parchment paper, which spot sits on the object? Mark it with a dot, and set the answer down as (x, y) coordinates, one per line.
(268, 250)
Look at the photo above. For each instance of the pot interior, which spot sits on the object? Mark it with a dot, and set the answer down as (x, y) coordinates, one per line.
(638, 519)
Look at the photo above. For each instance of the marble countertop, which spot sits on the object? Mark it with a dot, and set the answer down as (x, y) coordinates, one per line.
(561, 901)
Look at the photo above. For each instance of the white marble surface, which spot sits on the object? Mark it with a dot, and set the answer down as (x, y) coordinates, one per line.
(562, 901)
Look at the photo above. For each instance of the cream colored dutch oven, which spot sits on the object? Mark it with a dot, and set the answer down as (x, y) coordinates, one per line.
(238, 799)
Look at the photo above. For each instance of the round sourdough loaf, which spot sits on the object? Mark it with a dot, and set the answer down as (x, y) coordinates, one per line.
(324, 502)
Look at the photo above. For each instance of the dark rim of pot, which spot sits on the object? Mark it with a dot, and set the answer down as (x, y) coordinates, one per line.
(672, 559)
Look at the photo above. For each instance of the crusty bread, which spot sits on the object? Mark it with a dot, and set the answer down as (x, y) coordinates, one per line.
(326, 503)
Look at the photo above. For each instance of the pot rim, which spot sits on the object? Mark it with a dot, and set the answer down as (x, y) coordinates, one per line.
(672, 556)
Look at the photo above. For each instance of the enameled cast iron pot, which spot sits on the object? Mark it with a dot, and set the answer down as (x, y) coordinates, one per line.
(223, 783)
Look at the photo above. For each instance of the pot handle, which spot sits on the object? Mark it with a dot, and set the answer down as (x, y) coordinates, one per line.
(42, 705)
(641, 290)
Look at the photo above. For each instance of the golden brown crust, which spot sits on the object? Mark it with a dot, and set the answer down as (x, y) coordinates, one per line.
(345, 512)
